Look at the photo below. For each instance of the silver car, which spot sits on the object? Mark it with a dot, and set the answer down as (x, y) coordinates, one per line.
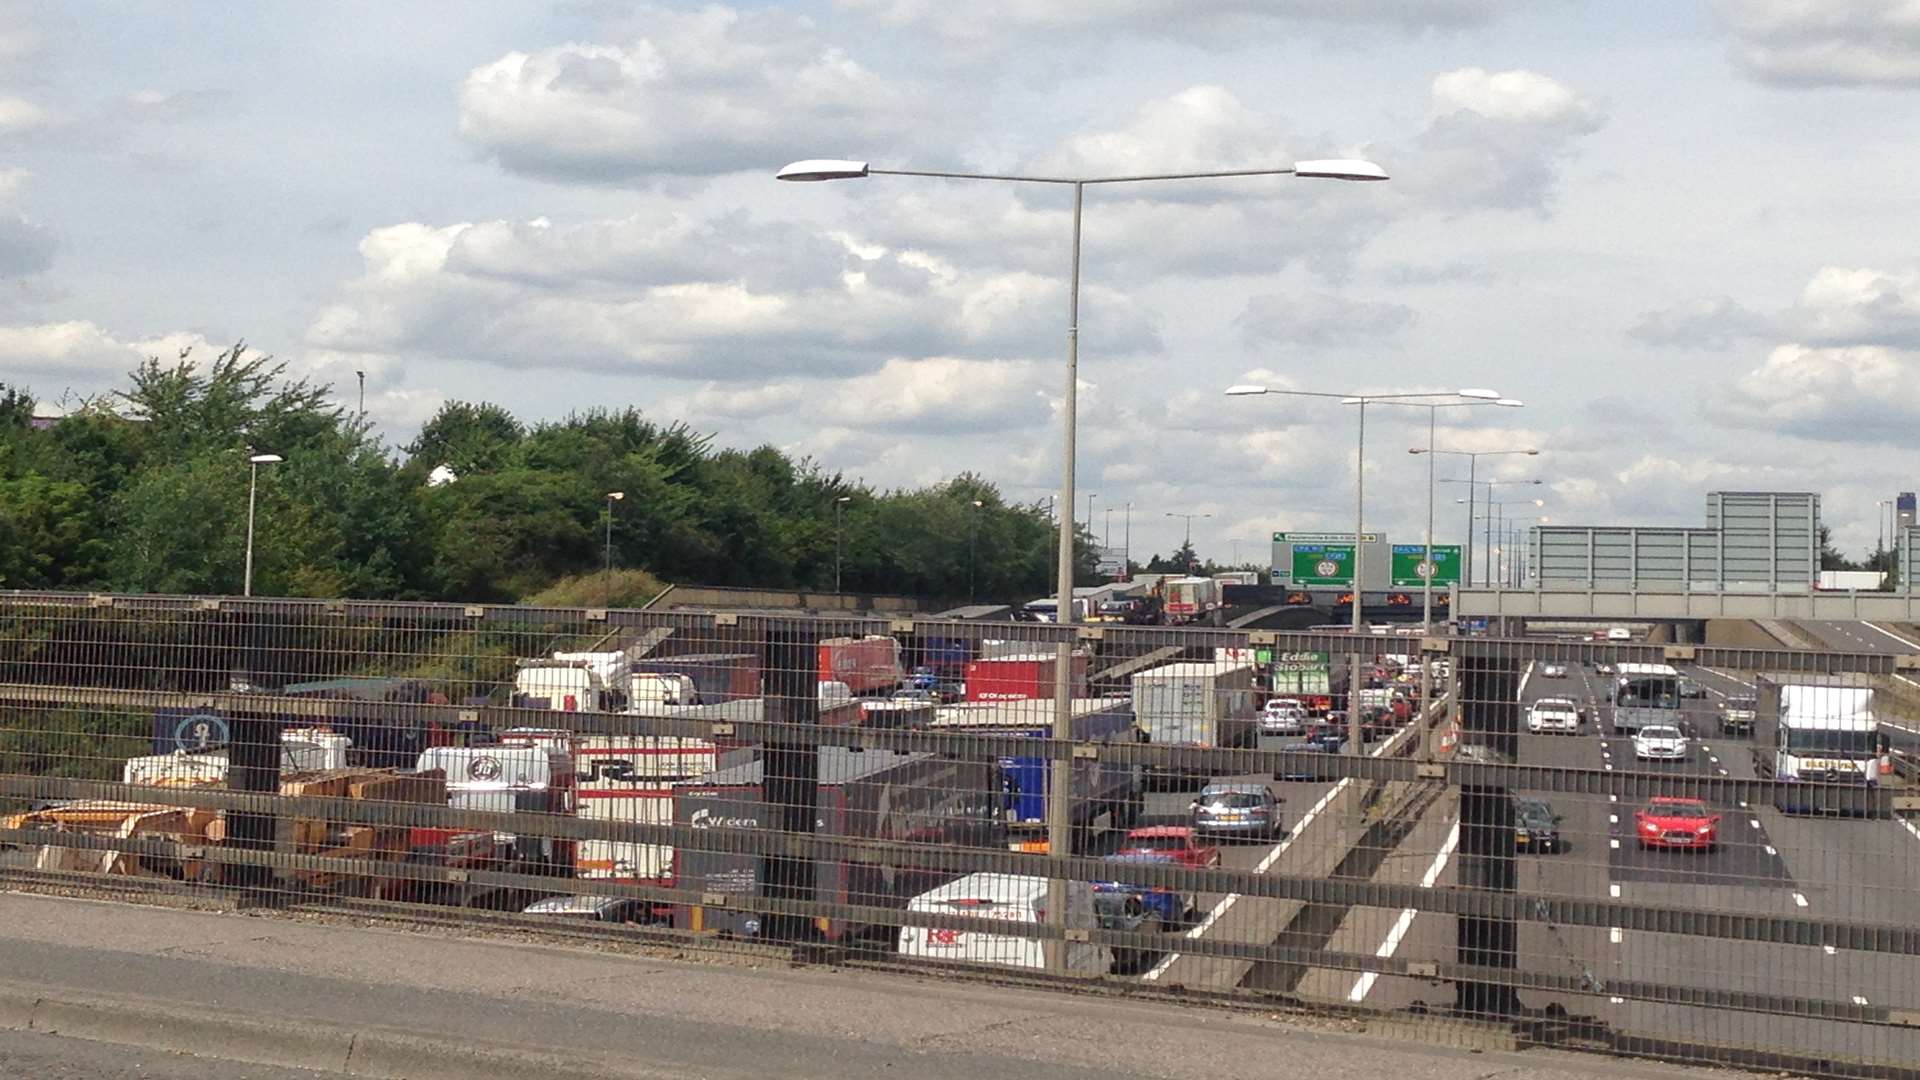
(1237, 810)
(1282, 717)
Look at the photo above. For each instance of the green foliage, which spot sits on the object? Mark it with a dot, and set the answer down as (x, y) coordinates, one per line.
(151, 495)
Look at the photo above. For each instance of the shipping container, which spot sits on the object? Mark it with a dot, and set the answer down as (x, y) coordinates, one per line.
(1195, 704)
(1187, 600)
(1023, 676)
(862, 793)
(867, 665)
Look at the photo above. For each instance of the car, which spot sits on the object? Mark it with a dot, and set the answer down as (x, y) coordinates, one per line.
(1236, 810)
(1566, 702)
(1536, 827)
(1549, 716)
(605, 909)
(1619, 633)
(1672, 822)
(1180, 843)
(915, 695)
(1283, 716)
(1327, 737)
(1603, 668)
(1687, 688)
(1175, 908)
(1737, 714)
(1553, 671)
(1660, 742)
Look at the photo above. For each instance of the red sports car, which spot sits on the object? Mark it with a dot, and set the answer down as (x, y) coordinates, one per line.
(1179, 841)
(1669, 822)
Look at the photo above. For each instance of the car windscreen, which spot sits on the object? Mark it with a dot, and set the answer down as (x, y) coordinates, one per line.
(1660, 732)
(1679, 810)
(1157, 843)
(1740, 704)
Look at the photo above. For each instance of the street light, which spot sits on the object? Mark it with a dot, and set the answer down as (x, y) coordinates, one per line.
(1473, 467)
(1499, 560)
(973, 546)
(1187, 544)
(606, 578)
(1487, 577)
(1433, 411)
(253, 483)
(1059, 820)
(1359, 506)
(837, 504)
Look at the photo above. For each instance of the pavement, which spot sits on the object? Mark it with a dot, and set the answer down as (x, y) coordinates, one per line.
(100, 989)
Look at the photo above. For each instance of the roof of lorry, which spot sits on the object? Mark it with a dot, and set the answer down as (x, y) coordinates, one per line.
(838, 765)
(1192, 667)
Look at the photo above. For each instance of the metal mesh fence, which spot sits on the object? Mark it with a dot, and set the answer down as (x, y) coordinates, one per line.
(1682, 851)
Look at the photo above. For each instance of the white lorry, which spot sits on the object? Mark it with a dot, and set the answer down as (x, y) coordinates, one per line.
(1824, 740)
(1010, 898)
(1195, 704)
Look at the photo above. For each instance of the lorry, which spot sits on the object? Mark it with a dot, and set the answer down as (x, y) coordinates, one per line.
(534, 777)
(570, 682)
(301, 750)
(1025, 782)
(715, 677)
(1023, 676)
(1189, 600)
(1195, 704)
(1819, 735)
(1306, 677)
(867, 665)
(870, 794)
(1007, 898)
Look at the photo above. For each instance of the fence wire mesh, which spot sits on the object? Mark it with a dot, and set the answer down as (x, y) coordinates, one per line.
(1694, 852)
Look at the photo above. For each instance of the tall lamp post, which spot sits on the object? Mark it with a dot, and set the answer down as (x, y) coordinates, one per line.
(1473, 485)
(1356, 745)
(837, 504)
(606, 578)
(1059, 820)
(1473, 468)
(1187, 544)
(253, 485)
(1428, 568)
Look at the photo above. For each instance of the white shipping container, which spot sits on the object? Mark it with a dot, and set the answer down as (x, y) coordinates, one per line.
(620, 860)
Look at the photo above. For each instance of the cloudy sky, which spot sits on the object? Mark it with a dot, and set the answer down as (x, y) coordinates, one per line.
(1682, 232)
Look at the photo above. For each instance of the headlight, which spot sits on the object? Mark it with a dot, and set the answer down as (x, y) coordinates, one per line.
(1649, 826)
(1704, 829)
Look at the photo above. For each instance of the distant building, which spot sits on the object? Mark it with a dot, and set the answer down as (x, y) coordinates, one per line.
(45, 415)
(1903, 509)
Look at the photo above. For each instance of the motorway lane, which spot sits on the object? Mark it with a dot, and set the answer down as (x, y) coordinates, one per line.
(1855, 637)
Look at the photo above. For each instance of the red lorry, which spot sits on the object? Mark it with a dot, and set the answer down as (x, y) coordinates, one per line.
(1022, 677)
(866, 665)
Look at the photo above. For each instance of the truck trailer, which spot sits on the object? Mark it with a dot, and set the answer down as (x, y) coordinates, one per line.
(1099, 787)
(1821, 737)
(1195, 704)
(872, 794)
(1023, 676)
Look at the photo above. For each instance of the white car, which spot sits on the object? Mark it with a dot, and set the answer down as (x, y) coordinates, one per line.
(1552, 715)
(1619, 633)
(1283, 717)
(1660, 743)
(1553, 671)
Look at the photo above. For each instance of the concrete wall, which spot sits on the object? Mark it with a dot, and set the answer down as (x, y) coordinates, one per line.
(1742, 634)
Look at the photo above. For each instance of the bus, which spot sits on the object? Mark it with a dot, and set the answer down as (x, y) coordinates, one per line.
(1644, 695)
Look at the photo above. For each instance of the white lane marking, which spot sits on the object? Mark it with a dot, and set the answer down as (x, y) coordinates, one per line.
(1364, 984)
(1724, 772)
(1911, 827)
(1617, 1001)
(1613, 819)
(1755, 822)
(1771, 850)
(1613, 843)
(1616, 798)
(1858, 1000)
(1799, 900)
(1265, 864)
(1878, 629)
(1609, 768)
(1732, 677)
(1710, 757)
(1615, 935)
(1830, 950)
(1743, 804)
(1613, 891)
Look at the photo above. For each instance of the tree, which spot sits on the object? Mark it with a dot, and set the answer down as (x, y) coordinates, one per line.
(1830, 557)
(467, 438)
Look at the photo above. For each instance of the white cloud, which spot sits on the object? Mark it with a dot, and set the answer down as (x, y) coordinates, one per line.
(1857, 393)
(1863, 306)
(1716, 323)
(735, 402)
(592, 297)
(1497, 142)
(1804, 43)
(25, 248)
(83, 355)
(1218, 20)
(19, 115)
(696, 93)
(942, 394)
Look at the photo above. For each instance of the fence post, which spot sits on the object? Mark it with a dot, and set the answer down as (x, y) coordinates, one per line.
(1487, 688)
(791, 770)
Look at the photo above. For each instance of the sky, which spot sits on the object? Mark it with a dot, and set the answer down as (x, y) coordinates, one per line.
(1681, 231)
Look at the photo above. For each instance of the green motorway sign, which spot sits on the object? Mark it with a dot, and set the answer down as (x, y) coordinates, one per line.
(1409, 558)
(1322, 564)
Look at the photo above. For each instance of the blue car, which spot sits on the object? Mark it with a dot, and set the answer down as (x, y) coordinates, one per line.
(1173, 908)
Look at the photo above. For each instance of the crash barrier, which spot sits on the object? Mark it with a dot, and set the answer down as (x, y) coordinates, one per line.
(1677, 851)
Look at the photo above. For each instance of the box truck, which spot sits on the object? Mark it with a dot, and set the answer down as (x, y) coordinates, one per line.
(1195, 704)
(1821, 736)
(867, 665)
(1023, 676)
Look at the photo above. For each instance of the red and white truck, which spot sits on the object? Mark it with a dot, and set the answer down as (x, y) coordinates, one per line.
(866, 665)
(1023, 676)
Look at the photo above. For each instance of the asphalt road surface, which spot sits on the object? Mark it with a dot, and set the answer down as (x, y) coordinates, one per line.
(32, 1056)
(1766, 863)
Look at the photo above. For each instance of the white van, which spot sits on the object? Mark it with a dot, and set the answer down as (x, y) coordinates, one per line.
(1010, 897)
